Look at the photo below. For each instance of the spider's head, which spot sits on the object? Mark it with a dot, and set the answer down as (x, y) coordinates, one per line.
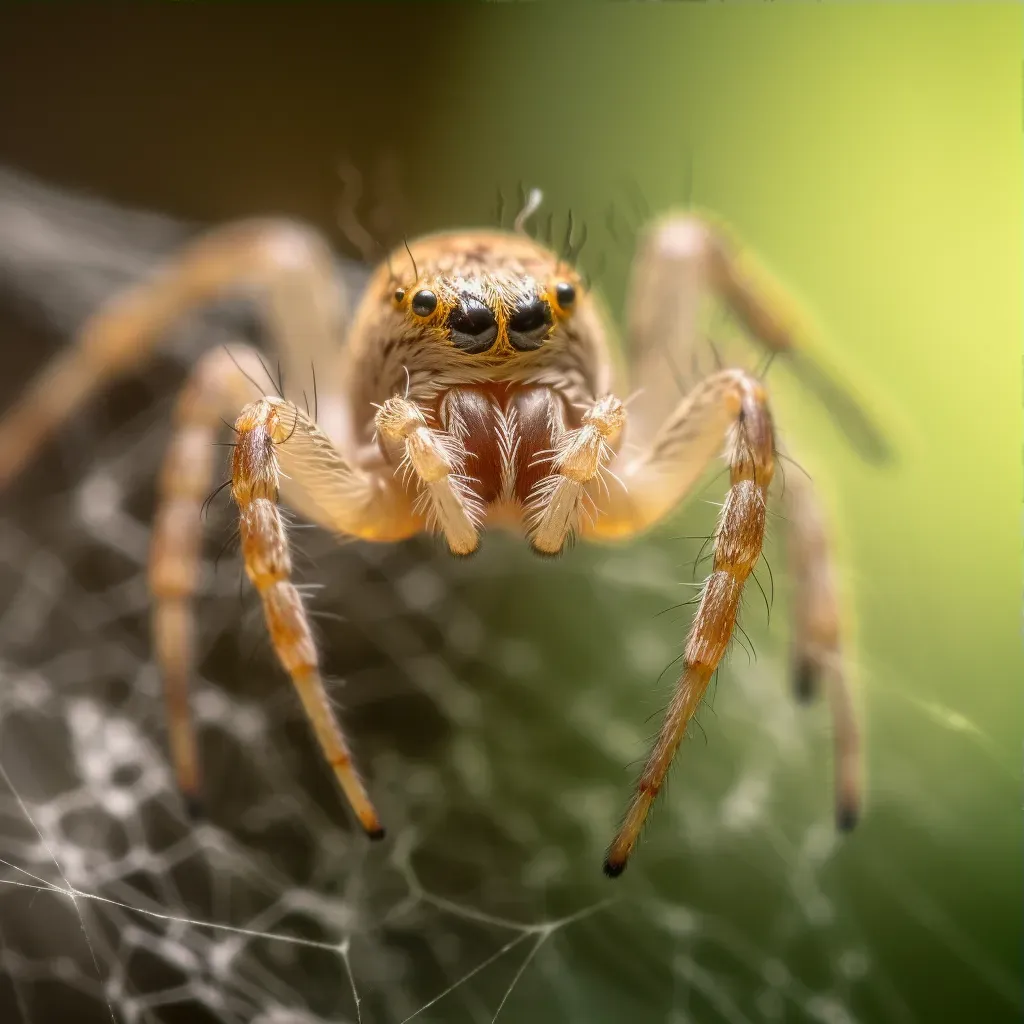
(485, 294)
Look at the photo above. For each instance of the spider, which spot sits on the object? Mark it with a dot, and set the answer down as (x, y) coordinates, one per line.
(478, 387)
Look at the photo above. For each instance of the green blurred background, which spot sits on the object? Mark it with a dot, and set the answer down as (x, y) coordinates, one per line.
(872, 155)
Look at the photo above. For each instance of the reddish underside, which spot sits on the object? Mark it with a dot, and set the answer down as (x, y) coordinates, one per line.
(529, 409)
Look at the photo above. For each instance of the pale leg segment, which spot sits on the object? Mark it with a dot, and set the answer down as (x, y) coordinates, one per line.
(681, 261)
(293, 270)
(817, 637)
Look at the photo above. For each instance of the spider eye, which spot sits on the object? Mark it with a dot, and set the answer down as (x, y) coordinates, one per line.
(472, 326)
(530, 325)
(565, 295)
(399, 295)
(424, 303)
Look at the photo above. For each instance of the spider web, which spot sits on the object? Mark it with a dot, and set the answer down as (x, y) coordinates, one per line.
(494, 704)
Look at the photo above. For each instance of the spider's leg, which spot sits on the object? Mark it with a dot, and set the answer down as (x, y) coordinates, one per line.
(289, 265)
(274, 440)
(730, 406)
(322, 486)
(218, 387)
(437, 459)
(681, 260)
(222, 382)
(817, 635)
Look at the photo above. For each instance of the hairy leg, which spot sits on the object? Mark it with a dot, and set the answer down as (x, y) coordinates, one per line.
(321, 485)
(730, 406)
(218, 387)
(275, 439)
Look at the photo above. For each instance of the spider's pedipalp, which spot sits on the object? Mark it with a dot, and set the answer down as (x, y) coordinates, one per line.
(557, 504)
(255, 484)
(437, 460)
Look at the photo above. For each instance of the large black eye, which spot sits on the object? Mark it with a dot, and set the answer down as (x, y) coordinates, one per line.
(472, 326)
(424, 303)
(530, 325)
(565, 294)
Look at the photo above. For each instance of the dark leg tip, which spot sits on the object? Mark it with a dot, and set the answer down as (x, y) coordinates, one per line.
(878, 451)
(847, 818)
(612, 869)
(805, 682)
(377, 833)
(194, 808)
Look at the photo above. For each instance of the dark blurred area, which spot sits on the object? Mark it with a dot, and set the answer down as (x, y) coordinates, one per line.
(209, 114)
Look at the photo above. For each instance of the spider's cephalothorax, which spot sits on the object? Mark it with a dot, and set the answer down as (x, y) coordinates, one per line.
(473, 385)
(474, 359)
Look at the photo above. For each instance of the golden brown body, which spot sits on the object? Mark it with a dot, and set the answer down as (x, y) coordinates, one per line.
(476, 387)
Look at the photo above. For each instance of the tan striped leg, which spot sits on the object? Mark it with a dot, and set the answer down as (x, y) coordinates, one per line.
(740, 401)
(265, 432)
(216, 390)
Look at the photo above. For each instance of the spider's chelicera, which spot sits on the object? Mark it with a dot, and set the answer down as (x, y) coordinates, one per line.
(475, 388)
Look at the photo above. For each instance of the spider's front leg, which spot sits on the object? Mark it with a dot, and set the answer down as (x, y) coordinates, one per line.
(682, 261)
(732, 405)
(220, 384)
(276, 440)
(321, 485)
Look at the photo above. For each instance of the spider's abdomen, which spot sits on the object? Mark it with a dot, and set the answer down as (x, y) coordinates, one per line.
(509, 433)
